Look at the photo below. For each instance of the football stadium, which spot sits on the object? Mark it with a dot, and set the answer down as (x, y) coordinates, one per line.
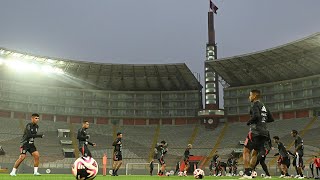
(143, 121)
(150, 103)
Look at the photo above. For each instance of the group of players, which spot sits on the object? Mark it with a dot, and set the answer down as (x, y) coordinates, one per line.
(159, 153)
(83, 138)
(258, 142)
(31, 132)
(256, 146)
(219, 168)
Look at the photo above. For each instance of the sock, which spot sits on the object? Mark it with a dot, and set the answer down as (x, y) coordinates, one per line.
(301, 174)
(35, 170)
(287, 174)
(282, 173)
(113, 171)
(14, 170)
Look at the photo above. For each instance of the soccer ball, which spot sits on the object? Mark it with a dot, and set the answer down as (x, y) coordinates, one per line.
(85, 167)
(48, 171)
(168, 174)
(262, 175)
(180, 174)
(198, 174)
(241, 173)
(254, 174)
(171, 172)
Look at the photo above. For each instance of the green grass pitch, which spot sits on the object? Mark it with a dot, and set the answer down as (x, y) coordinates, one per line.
(120, 177)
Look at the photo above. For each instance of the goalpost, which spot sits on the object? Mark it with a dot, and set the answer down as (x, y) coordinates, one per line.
(140, 168)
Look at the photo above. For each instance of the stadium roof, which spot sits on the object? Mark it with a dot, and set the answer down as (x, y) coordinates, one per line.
(297, 59)
(120, 77)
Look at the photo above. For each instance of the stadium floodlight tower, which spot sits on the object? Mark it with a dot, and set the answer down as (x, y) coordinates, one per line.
(211, 113)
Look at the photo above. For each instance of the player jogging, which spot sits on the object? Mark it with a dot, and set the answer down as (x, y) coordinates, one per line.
(117, 154)
(27, 145)
(258, 134)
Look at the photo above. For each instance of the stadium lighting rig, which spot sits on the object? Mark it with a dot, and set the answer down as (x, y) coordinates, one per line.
(23, 63)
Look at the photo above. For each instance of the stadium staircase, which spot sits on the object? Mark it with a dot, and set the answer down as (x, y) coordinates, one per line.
(194, 134)
(206, 160)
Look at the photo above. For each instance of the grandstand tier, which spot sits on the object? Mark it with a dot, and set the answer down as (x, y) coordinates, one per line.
(288, 76)
(64, 90)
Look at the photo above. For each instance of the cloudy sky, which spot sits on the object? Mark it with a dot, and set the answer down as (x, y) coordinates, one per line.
(151, 31)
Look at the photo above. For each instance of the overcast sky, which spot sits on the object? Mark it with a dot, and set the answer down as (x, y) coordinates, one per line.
(151, 31)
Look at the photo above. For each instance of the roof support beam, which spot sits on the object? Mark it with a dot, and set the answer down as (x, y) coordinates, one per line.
(182, 79)
(162, 87)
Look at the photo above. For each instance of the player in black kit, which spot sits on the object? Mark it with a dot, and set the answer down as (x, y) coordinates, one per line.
(83, 137)
(117, 154)
(186, 159)
(258, 134)
(283, 161)
(160, 150)
(27, 145)
(298, 152)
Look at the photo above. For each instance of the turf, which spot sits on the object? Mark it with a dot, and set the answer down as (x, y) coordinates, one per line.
(123, 177)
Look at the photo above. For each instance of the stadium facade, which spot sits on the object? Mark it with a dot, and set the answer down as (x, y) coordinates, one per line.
(288, 76)
(70, 91)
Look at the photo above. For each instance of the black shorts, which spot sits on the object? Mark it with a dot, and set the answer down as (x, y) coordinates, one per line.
(117, 156)
(27, 148)
(161, 161)
(284, 161)
(255, 142)
(297, 161)
(85, 151)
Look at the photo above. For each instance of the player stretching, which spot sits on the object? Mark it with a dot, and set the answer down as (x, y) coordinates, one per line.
(160, 150)
(298, 151)
(83, 137)
(117, 154)
(258, 133)
(27, 145)
(284, 160)
(186, 159)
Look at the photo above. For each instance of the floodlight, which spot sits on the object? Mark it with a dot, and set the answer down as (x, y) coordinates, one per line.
(47, 69)
(17, 55)
(58, 71)
(51, 61)
(28, 57)
(17, 65)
